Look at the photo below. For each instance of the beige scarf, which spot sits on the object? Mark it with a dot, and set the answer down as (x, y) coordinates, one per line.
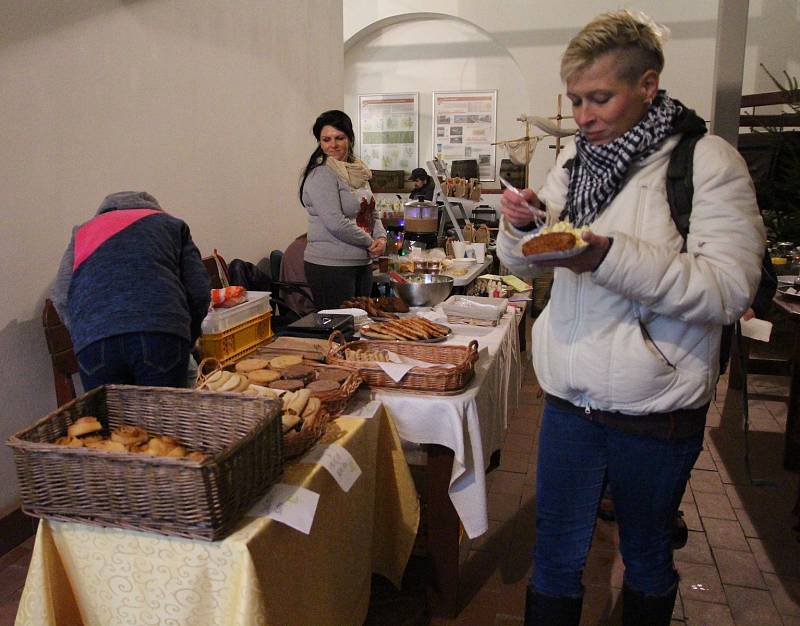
(355, 174)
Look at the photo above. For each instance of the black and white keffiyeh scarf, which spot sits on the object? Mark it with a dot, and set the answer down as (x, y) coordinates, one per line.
(598, 171)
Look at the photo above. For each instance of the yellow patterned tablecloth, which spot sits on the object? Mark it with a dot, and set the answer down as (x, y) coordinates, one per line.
(264, 573)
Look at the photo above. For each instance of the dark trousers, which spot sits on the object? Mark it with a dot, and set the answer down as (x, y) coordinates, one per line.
(332, 284)
(647, 477)
(149, 359)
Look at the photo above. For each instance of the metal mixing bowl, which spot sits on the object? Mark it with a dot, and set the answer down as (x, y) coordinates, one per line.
(424, 289)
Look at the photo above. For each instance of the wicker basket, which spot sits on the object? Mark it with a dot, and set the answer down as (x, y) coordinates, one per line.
(449, 380)
(336, 401)
(194, 499)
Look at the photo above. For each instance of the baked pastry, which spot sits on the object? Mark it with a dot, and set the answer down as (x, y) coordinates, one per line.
(288, 385)
(285, 360)
(196, 456)
(129, 435)
(248, 365)
(322, 386)
(84, 426)
(261, 377)
(548, 242)
(336, 374)
(73, 442)
(106, 445)
(299, 372)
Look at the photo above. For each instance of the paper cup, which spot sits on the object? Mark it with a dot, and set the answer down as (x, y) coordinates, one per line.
(459, 249)
(480, 251)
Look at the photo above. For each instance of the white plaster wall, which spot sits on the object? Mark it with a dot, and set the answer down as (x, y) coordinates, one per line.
(533, 34)
(207, 104)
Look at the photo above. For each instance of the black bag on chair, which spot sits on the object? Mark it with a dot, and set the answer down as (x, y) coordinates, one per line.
(245, 274)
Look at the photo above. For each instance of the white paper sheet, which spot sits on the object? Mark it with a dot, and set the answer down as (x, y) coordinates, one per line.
(339, 463)
(757, 329)
(292, 505)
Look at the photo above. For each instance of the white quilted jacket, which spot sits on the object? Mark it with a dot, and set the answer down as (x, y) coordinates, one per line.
(591, 345)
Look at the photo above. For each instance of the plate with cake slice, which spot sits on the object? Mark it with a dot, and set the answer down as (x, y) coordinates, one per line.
(559, 241)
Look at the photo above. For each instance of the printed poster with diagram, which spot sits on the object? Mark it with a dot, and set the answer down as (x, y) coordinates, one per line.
(388, 131)
(464, 127)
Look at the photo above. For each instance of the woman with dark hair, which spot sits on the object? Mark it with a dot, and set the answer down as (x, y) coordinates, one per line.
(344, 232)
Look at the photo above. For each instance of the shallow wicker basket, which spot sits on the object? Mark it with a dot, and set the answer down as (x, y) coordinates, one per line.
(438, 380)
(195, 499)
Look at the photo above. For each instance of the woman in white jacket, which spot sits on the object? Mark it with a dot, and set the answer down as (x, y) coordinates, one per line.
(627, 350)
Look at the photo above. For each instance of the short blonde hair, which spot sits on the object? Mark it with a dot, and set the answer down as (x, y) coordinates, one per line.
(635, 39)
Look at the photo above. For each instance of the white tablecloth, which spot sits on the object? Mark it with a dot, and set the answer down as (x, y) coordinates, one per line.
(470, 423)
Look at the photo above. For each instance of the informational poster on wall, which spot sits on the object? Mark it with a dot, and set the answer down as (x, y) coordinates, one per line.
(388, 131)
(464, 127)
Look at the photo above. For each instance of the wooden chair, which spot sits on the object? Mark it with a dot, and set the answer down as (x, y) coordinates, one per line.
(62, 356)
(217, 270)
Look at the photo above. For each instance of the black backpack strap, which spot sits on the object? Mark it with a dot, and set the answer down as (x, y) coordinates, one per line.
(680, 188)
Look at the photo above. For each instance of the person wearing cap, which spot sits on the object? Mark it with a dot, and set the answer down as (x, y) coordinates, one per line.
(423, 185)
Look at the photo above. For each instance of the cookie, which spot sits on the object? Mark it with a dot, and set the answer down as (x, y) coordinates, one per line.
(261, 377)
(288, 385)
(248, 365)
(285, 360)
(299, 372)
(322, 386)
(339, 375)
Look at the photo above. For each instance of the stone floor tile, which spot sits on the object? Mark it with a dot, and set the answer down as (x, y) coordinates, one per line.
(738, 568)
(700, 582)
(790, 620)
(482, 609)
(507, 620)
(518, 443)
(600, 602)
(521, 423)
(696, 550)
(785, 594)
(705, 462)
(511, 598)
(17, 554)
(704, 481)
(603, 567)
(515, 462)
(12, 579)
(779, 556)
(677, 611)
(752, 607)
(507, 482)
(8, 607)
(502, 506)
(606, 535)
(496, 539)
(691, 517)
(707, 614)
(722, 533)
(688, 496)
(714, 505)
(748, 527)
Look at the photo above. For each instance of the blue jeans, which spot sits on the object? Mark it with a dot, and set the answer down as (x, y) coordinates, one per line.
(149, 359)
(647, 477)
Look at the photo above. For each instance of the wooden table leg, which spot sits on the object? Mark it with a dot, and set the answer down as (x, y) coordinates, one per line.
(791, 456)
(443, 531)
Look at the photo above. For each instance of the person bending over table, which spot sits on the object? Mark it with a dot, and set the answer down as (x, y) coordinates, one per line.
(344, 232)
(133, 292)
(627, 350)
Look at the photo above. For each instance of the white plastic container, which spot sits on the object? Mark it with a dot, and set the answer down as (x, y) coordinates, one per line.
(475, 309)
(220, 320)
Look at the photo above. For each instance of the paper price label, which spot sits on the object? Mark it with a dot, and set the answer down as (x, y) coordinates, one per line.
(292, 505)
(339, 463)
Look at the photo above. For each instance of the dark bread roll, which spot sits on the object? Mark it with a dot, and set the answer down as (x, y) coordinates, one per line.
(288, 385)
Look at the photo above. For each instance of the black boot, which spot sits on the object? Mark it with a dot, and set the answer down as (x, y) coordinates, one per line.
(679, 531)
(542, 610)
(639, 609)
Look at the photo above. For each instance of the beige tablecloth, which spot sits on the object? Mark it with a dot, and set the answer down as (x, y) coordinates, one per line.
(264, 573)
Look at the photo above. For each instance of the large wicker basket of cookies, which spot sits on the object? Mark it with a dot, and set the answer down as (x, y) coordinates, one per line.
(311, 394)
(456, 364)
(172, 461)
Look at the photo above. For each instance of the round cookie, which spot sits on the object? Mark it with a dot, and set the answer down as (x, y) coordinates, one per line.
(248, 365)
(299, 372)
(285, 360)
(288, 385)
(261, 377)
(319, 387)
(339, 375)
